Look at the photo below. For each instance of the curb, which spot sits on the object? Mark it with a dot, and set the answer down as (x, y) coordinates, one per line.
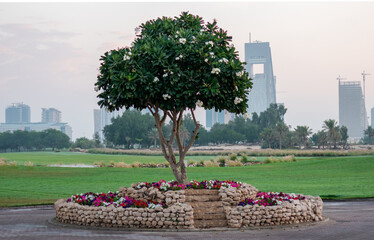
(55, 223)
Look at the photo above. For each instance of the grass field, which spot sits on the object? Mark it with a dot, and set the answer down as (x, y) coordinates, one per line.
(334, 178)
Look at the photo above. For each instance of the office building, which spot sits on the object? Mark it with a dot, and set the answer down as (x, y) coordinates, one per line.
(17, 113)
(51, 115)
(352, 111)
(102, 118)
(260, 68)
(213, 117)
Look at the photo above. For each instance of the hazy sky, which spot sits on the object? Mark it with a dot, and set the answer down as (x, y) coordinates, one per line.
(49, 52)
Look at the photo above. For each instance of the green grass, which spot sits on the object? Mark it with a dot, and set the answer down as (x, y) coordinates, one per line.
(46, 158)
(341, 177)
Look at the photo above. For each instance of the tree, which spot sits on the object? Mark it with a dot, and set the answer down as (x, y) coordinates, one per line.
(153, 135)
(173, 65)
(332, 130)
(281, 130)
(369, 132)
(97, 140)
(344, 134)
(302, 132)
(55, 139)
(268, 134)
(84, 143)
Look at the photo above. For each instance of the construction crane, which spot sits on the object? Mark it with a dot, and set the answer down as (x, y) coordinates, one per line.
(339, 79)
(363, 80)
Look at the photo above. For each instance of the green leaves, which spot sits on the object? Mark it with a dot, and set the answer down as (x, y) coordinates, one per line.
(181, 53)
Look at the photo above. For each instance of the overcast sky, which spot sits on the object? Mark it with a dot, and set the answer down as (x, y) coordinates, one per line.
(49, 52)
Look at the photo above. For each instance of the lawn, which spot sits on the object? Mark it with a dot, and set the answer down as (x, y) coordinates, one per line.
(46, 158)
(340, 177)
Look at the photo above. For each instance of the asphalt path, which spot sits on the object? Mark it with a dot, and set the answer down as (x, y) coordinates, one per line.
(346, 220)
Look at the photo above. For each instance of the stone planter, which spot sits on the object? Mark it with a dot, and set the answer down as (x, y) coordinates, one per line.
(192, 208)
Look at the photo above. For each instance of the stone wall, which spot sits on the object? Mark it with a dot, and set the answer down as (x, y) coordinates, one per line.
(308, 210)
(153, 194)
(178, 216)
(232, 196)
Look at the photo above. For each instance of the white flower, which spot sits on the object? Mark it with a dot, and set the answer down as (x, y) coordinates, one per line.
(171, 73)
(236, 88)
(238, 100)
(199, 103)
(216, 71)
(126, 57)
(211, 53)
(182, 40)
(129, 53)
(209, 43)
(177, 58)
(96, 89)
(156, 79)
(247, 115)
(228, 49)
(239, 74)
(177, 32)
(202, 30)
(206, 60)
(231, 45)
(193, 37)
(165, 75)
(110, 53)
(166, 96)
(137, 30)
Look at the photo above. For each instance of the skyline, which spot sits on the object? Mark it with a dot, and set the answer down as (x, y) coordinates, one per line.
(50, 51)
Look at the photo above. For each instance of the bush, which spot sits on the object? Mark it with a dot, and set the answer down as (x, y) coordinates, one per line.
(231, 163)
(233, 156)
(244, 158)
(222, 161)
(253, 159)
(3, 162)
(211, 164)
(99, 164)
(152, 165)
(191, 163)
(122, 165)
(167, 164)
(12, 163)
(28, 164)
(136, 165)
(201, 163)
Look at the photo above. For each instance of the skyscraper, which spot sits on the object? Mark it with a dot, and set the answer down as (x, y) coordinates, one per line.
(102, 118)
(372, 117)
(50, 115)
(352, 111)
(260, 69)
(17, 113)
(212, 117)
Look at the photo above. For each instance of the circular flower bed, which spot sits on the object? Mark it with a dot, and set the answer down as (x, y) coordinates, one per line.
(271, 199)
(163, 185)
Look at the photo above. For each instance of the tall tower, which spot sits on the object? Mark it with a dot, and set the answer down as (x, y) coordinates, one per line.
(260, 69)
(17, 113)
(352, 112)
(372, 117)
(50, 115)
(213, 117)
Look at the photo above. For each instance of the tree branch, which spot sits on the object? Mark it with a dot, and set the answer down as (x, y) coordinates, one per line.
(179, 141)
(196, 131)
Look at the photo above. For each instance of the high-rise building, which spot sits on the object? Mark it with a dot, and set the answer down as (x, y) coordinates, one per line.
(372, 117)
(17, 113)
(39, 126)
(50, 115)
(102, 118)
(213, 117)
(260, 69)
(352, 111)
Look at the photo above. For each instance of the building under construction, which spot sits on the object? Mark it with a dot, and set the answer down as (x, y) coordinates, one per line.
(260, 69)
(352, 111)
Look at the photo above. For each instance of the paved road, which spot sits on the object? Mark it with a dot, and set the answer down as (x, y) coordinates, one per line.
(347, 220)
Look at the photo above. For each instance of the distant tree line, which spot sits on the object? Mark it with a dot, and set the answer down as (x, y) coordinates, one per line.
(33, 141)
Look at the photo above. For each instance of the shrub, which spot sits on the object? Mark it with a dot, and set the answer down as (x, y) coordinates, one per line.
(152, 165)
(122, 165)
(233, 156)
(244, 158)
(28, 164)
(99, 164)
(136, 165)
(231, 163)
(201, 163)
(12, 163)
(253, 159)
(211, 164)
(3, 162)
(222, 161)
(191, 163)
(167, 164)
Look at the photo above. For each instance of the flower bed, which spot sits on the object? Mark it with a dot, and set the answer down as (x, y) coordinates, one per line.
(110, 198)
(271, 199)
(163, 205)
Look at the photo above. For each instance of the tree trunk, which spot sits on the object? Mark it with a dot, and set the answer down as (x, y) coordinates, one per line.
(178, 168)
(280, 142)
